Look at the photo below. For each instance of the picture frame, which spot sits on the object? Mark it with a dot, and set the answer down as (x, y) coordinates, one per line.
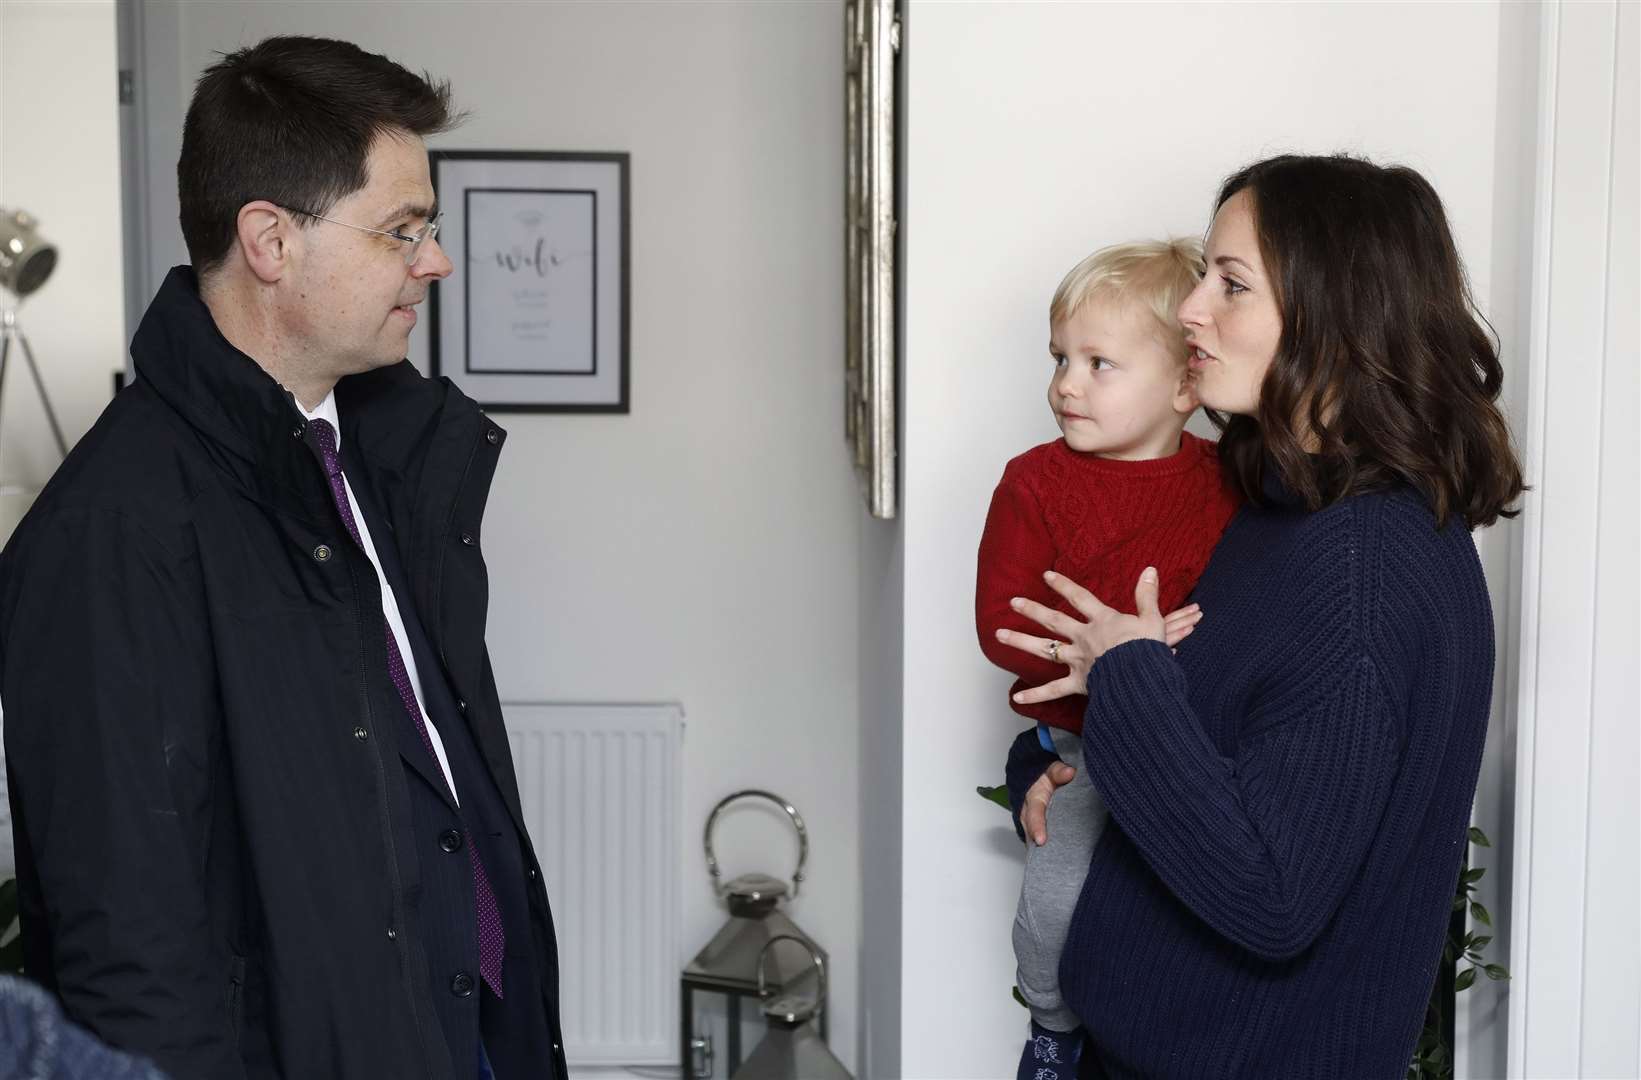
(537, 315)
(871, 48)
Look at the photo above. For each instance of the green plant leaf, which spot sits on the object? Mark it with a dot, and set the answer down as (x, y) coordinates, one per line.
(1473, 875)
(998, 794)
(1479, 913)
(1458, 902)
(1018, 998)
(1479, 838)
(1465, 978)
(1482, 942)
(1496, 971)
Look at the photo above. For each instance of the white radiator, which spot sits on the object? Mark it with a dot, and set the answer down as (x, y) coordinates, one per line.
(600, 791)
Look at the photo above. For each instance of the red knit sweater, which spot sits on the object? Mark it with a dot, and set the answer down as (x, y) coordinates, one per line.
(1101, 523)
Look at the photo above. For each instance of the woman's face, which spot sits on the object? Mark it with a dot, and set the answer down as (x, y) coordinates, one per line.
(1232, 323)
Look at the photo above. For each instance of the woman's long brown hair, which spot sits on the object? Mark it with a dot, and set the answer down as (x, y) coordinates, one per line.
(1383, 358)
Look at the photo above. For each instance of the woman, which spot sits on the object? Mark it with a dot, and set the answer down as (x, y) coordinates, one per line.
(1291, 789)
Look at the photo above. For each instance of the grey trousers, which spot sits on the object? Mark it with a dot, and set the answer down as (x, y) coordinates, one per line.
(1052, 883)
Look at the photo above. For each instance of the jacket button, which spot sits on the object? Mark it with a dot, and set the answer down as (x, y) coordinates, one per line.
(531, 873)
(462, 984)
(322, 553)
(467, 538)
(298, 431)
(461, 706)
(392, 934)
(361, 734)
(492, 436)
(450, 840)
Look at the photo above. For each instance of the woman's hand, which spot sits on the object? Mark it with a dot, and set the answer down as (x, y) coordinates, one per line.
(1078, 644)
(1177, 625)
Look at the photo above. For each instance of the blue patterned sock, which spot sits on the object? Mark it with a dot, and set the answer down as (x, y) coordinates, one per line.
(1050, 1055)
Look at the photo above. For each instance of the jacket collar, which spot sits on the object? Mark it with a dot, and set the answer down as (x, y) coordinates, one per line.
(252, 424)
(221, 392)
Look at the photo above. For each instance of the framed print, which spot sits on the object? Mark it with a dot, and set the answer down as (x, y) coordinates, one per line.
(535, 317)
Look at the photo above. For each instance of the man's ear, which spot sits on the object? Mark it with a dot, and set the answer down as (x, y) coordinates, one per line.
(1185, 394)
(265, 234)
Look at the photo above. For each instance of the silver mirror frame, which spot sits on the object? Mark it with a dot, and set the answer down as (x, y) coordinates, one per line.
(871, 45)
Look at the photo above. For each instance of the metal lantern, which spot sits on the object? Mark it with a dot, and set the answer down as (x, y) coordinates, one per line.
(792, 1049)
(733, 962)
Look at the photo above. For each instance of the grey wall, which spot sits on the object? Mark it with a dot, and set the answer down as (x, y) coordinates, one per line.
(882, 759)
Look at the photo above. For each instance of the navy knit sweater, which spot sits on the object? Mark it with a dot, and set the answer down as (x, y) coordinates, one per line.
(1290, 795)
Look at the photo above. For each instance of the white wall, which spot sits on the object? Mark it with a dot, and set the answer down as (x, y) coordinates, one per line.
(1038, 133)
(1577, 953)
(703, 548)
(72, 185)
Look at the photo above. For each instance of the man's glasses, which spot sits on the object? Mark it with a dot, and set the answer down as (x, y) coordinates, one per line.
(413, 241)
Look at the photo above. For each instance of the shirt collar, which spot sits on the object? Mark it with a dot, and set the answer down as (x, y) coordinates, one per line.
(325, 410)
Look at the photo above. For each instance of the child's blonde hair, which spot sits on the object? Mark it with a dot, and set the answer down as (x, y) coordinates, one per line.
(1159, 274)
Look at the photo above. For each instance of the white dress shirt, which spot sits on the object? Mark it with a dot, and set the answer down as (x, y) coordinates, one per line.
(326, 411)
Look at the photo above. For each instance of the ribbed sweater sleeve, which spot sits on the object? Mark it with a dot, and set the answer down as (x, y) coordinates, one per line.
(1263, 846)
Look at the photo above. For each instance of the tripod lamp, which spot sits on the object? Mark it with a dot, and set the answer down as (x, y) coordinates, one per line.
(26, 261)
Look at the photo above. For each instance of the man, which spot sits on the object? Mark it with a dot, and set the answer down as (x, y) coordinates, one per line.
(266, 817)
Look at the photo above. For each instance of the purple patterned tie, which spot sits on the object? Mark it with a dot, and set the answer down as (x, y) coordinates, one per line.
(492, 941)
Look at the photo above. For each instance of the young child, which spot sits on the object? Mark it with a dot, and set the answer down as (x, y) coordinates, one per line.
(1126, 488)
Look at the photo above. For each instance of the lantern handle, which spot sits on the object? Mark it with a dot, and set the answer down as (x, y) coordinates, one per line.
(820, 968)
(791, 812)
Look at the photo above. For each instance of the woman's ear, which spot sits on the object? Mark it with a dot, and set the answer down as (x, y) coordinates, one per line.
(265, 234)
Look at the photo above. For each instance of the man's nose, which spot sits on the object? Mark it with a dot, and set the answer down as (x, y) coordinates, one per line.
(431, 261)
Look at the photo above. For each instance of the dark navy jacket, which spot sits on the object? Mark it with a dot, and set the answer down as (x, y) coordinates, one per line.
(223, 862)
(515, 1028)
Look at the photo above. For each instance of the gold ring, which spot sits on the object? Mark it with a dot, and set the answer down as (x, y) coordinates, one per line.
(1054, 651)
